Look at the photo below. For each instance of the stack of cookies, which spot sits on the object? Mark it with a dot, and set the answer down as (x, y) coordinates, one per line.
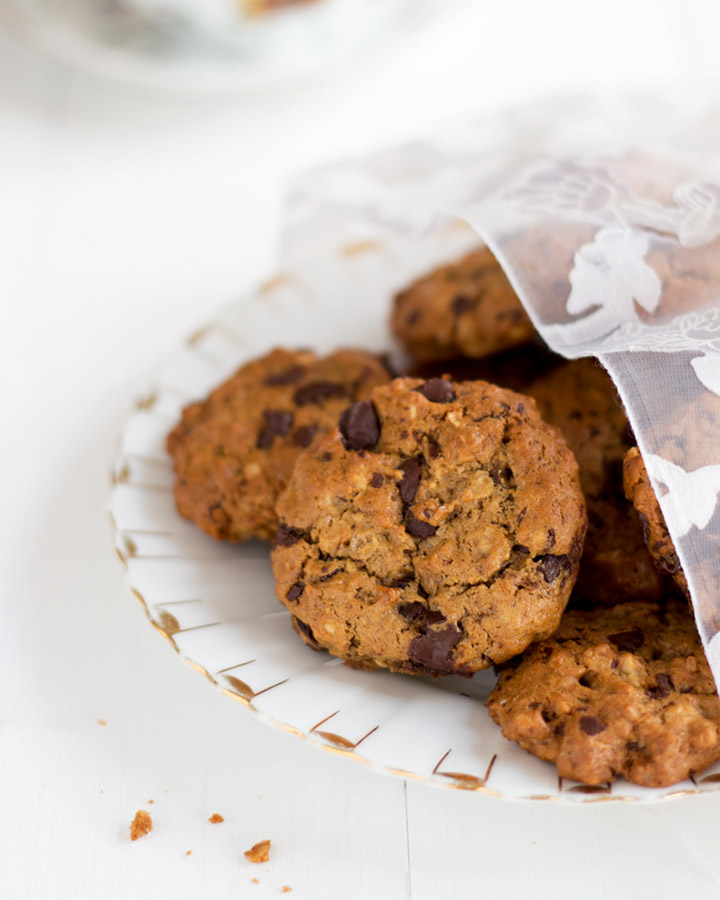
(442, 522)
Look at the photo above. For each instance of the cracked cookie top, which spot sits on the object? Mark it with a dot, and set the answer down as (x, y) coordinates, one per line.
(437, 529)
(234, 451)
(621, 691)
(467, 308)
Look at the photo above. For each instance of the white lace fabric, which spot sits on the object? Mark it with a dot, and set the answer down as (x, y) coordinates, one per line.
(615, 254)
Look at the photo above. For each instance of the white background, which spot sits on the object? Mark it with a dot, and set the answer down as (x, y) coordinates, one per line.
(126, 219)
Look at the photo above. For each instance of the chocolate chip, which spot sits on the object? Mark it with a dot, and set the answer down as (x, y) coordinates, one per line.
(551, 537)
(359, 426)
(404, 581)
(494, 475)
(410, 479)
(307, 631)
(559, 730)
(277, 424)
(377, 480)
(287, 376)
(592, 725)
(461, 303)
(302, 436)
(296, 591)
(286, 535)
(418, 612)
(432, 650)
(422, 592)
(632, 745)
(433, 448)
(553, 566)
(521, 549)
(627, 641)
(418, 528)
(520, 408)
(316, 392)
(663, 687)
(326, 457)
(645, 527)
(330, 575)
(437, 390)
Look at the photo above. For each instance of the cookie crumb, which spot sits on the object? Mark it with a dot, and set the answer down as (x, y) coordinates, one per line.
(140, 825)
(215, 818)
(286, 889)
(255, 880)
(188, 852)
(102, 722)
(151, 801)
(259, 853)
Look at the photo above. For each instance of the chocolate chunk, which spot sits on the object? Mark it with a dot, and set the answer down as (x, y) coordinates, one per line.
(418, 528)
(410, 479)
(330, 575)
(286, 535)
(302, 437)
(432, 650)
(633, 745)
(437, 390)
(296, 590)
(461, 303)
(317, 392)
(359, 426)
(662, 688)
(559, 729)
(418, 612)
(551, 537)
(403, 582)
(495, 475)
(645, 527)
(553, 566)
(377, 480)
(592, 725)
(287, 376)
(433, 448)
(307, 631)
(627, 641)
(277, 424)
(422, 592)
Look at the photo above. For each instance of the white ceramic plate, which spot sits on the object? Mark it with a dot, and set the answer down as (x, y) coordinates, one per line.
(112, 40)
(215, 602)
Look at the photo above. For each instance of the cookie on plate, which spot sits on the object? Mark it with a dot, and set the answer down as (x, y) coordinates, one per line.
(467, 308)
(625, 691)
(580, 399)
(438, 529)
(234, 451)
(640, 493)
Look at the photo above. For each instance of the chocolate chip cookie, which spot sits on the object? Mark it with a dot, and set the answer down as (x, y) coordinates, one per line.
(625, 691)
(467, 308)
(580, 399)
(234, 451)
(437, 529)
(640, 493)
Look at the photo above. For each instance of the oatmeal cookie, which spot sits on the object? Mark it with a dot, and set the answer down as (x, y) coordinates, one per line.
(640, 493)
(467, 308)
(580, 399)
(438, 529)
(234, 451)
(625, 691)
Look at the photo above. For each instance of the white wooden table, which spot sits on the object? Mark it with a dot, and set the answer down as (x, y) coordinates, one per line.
(125, 221)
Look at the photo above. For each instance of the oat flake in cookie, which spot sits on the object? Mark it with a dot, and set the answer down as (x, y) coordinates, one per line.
(624, 691)
(467, 308)
(438, 529)
(234, 451)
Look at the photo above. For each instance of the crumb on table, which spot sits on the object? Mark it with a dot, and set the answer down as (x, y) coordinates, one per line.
(188, 852)
(286, 889)
(151, 801)
(259, 853)
(256, 881)
(140, 825)
(102, 722)
(215, 818)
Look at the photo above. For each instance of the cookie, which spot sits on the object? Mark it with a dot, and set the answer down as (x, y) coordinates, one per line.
(234, 451)
(467, 308)
(438, 529)
(625, 691)
(640, 493)
(580, 399)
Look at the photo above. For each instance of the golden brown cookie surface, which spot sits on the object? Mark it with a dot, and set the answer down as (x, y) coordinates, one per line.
(625, 691)
(580, 399)
(640, 493)
(234, 451)
(467, 308)
(437, 529)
